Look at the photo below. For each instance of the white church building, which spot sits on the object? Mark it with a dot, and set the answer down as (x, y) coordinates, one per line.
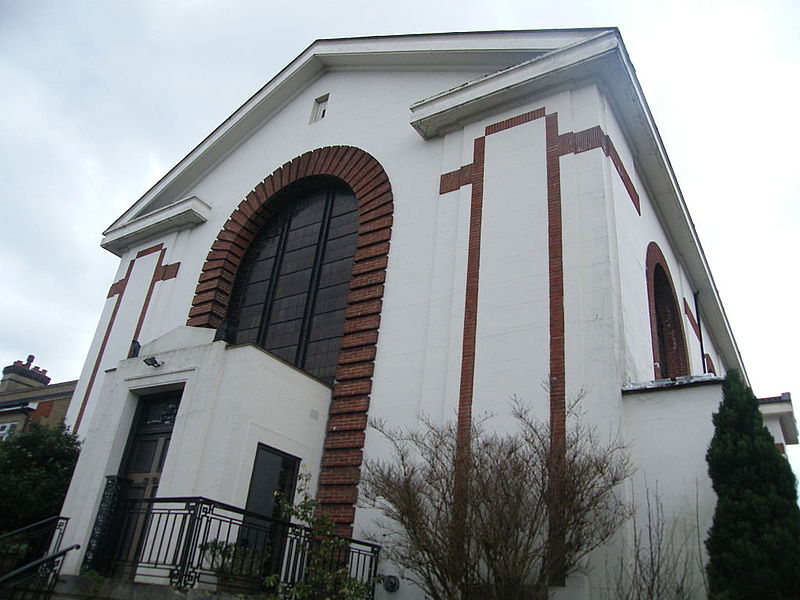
(402, 227)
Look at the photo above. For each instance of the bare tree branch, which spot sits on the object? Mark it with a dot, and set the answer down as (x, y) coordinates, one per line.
(509, 494)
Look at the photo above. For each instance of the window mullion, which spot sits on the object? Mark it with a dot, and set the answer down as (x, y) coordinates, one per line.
(313, 285)
(273, 282)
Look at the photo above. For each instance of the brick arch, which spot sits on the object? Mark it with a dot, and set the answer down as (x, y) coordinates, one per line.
(343, 449)
(677, 356)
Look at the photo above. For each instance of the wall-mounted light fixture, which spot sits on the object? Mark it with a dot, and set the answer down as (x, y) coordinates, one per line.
(391, 583)
(151, 361)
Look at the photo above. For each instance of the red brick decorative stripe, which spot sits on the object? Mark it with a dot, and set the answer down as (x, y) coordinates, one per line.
(471, 296)
(149, 250)
(453, 180)
(118, 290)
(343, 451)
(514, 121)
(557, 145)
(161, 273)
(589, 139)
(692, 320)
(557, 379)
(568, 143)
(678, 357)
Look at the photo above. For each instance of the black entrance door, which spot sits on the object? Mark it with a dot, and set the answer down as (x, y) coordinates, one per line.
(142, 467)
(149, 443)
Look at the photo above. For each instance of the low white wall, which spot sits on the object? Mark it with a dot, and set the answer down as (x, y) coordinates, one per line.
(234, 397)
(668, 432)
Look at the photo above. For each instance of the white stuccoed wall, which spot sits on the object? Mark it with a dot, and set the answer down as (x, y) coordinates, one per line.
(234, 397)
(634, 233)
(668, 433)
(512, 353)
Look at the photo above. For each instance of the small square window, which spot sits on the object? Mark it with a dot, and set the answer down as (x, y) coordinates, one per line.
(320, 108)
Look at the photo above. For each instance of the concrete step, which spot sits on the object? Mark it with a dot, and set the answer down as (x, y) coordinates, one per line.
(72, 587)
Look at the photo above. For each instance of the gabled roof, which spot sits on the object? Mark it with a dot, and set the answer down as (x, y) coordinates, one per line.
(519, 65)
(489, 51)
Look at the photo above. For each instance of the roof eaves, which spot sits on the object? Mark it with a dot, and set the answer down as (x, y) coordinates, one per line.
(302, 70)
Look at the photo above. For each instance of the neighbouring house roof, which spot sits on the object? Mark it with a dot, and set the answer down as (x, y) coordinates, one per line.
(780, 408)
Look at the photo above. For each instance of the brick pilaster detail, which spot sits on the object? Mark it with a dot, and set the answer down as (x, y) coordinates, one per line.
(557, 383)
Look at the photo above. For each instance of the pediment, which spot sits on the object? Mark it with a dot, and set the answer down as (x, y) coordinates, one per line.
(487, 52)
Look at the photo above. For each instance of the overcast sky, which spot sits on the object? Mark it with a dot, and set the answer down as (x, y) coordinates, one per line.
(98, 100)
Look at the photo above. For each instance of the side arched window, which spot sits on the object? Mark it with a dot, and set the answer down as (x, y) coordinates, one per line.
(291, 289)
(670, 358)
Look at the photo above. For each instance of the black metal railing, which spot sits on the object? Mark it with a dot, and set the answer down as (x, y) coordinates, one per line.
(194, 540)
(24, 545)
(35, 580)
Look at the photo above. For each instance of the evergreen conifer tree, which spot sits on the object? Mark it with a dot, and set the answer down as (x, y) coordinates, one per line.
(754, 542)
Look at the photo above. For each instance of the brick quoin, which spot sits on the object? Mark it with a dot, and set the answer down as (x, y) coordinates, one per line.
(340, 476)
(342, 457)
(354, 371)
(351, 398)
(357, 354)
(351, 404)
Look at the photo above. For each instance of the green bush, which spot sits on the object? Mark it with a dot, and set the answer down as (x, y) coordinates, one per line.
(754, 542)
(35, 470)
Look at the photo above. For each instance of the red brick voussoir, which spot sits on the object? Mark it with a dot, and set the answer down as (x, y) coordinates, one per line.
(343, 451)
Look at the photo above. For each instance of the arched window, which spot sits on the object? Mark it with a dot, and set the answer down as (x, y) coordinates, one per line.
(670, 358)
(291, 289)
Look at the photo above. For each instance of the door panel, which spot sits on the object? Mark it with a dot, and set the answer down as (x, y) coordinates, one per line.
(147, 450)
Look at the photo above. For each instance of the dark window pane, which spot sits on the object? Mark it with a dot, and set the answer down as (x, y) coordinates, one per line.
(245, 336)
(332, 297)
(298, 260)
(260, 270)
(283, 334)
(321, 358)
(342, 225)
(267, 246)
(309, 210)
(288, 353)
(336, 272)
(302, 237)
(326, 325)
(292, 307)
(339, 248)
(345, 202)
(250, 316)
(142, 456)
(304, 299)
(293, 283)
(273, 472)
(255, 293)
